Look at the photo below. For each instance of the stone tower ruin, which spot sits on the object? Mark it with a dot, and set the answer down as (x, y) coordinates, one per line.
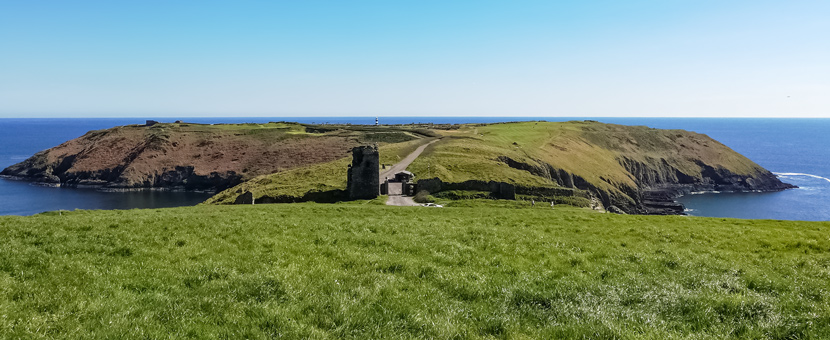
(364, 173)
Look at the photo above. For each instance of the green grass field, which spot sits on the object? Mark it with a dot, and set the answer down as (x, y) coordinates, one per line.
(495, 269)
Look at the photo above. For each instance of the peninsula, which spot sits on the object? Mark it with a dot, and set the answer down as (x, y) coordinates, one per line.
(625, 169)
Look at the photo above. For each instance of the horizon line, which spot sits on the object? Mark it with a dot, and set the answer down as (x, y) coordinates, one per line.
(428, 116)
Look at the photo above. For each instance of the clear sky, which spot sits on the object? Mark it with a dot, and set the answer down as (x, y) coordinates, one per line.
(415, 58)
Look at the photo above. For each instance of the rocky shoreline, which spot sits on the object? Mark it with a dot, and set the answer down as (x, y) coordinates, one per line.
(178, 179)
(655, 196)
(106, 188)
(657, 186)
(663, 201)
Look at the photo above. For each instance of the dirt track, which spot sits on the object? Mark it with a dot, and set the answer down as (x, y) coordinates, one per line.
(403, 201)
(398, 167)
(401, 166)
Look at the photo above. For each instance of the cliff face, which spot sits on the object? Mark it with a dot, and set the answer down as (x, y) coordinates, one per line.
(632, 169)
(657, 184)
(183, 156)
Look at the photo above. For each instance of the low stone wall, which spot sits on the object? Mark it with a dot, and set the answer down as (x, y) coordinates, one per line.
(551, 192)
(499, 190)
(330, 196)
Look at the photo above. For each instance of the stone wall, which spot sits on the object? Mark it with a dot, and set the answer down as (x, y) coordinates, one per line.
(499, 190)
(364, 173)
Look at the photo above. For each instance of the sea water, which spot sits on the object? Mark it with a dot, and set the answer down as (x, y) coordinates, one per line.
(792, 148)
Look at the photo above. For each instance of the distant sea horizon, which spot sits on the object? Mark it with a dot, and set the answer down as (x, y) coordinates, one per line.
(793, 148)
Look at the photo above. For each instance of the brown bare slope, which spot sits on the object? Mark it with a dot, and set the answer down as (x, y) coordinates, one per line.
(189, 156)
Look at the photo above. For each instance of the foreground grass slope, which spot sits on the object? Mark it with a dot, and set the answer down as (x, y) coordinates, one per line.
(361, 270)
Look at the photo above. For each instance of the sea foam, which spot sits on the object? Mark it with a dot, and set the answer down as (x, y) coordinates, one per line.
(780, 174)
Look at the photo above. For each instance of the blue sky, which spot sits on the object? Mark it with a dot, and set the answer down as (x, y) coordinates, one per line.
(414, 58)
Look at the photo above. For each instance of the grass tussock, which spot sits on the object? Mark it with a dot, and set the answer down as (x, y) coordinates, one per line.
(493, 269)
(423, 196)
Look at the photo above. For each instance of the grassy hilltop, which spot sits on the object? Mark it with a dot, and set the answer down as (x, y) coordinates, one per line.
(614, 164)
(595, 151)
(618, 164)
(363, 270)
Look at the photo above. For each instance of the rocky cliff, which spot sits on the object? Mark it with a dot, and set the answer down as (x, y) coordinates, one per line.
(656, 184)
(632, 169)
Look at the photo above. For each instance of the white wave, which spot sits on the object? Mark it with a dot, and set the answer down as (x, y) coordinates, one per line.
(782, 174)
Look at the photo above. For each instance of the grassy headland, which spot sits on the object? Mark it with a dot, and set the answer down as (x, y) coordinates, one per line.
(621, 166)
(632, 169)
(616, 162)
(587, 149)
(495, 269)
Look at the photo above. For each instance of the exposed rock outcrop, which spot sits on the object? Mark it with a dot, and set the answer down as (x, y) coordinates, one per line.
(658, 184)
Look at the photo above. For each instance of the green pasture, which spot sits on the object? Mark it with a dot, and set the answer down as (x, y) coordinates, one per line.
(482, 270)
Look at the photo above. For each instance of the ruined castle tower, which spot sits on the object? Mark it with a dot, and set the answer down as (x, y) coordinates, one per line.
(364, 176)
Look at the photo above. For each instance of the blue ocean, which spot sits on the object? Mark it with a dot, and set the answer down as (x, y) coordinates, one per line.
(792, 148)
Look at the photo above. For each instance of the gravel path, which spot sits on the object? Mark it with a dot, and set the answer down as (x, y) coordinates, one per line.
(401, 166)
(399, 200)
(403, 201)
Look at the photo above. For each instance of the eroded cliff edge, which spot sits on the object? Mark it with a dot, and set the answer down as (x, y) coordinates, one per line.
(657, 184)
(631, 169)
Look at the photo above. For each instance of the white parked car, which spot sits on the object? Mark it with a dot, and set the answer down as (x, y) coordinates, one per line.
(432, 205)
